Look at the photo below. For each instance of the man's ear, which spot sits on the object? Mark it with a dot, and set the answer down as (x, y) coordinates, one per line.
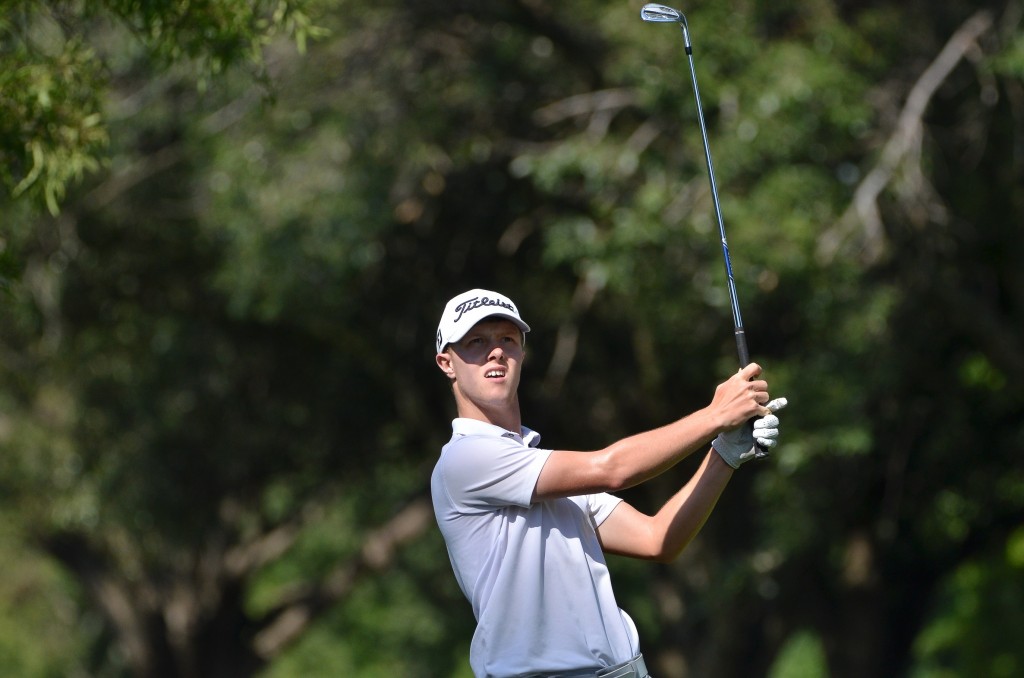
(444, 361)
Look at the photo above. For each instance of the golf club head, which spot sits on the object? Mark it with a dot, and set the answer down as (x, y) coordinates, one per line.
(660, 14)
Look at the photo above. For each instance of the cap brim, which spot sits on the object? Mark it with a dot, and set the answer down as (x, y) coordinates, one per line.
(497, 314)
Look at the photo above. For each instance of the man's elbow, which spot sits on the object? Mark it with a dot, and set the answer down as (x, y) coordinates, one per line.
(666, 555)
(614, 475)
(657, 553)
(657, 545)
(668, 548)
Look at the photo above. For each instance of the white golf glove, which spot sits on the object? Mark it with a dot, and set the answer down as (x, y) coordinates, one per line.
(737, 446)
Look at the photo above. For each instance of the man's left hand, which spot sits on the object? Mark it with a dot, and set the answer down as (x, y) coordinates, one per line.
(766, 428)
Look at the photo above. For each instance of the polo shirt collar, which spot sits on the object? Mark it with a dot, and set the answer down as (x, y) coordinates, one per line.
(465, 427)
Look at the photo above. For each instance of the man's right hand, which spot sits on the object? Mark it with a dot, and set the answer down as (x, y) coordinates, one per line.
(739, 399)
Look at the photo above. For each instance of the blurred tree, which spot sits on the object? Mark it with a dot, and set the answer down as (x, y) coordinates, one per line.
(220, 410)
(54, 67)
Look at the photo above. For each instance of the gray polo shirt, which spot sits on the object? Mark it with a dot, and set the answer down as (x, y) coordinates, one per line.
(535, 574)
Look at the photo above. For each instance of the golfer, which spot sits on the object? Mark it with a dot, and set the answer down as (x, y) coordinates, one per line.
(527, 527)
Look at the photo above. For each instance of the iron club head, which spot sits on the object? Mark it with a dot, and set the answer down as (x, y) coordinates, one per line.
(660, 14)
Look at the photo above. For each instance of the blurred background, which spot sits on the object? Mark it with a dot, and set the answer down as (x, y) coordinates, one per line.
(228, 228)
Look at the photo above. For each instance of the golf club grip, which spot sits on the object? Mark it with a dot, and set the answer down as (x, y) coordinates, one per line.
(744, 354)
(741, 347)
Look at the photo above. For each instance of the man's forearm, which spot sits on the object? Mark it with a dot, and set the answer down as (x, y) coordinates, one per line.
(682, 516)
(643, 456)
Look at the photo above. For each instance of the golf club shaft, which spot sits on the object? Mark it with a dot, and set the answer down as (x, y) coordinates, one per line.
(663, 14)
(737, 318)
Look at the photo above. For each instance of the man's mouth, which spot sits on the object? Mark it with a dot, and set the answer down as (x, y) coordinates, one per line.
(494, 374)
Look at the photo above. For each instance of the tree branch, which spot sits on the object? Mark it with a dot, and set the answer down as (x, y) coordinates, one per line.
(286, 623)
(120, 603)
(567, 338)
(863, 209)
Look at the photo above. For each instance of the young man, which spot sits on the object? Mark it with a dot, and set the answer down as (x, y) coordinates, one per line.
(527, 528)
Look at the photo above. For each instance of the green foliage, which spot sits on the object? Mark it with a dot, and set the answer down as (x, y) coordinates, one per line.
(391, 625)
(220, 350)
(973, 632)
(53, 130)
(801, 657)
(1011, 61)
(215, 33)
(40, 632)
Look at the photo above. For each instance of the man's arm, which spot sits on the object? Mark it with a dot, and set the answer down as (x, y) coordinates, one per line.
(663, 536)
(635, 459)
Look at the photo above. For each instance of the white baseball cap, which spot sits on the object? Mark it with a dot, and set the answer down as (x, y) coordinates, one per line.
(469, 308)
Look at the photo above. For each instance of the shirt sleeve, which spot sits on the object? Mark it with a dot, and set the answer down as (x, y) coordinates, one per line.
(483, 472)
(600, 506)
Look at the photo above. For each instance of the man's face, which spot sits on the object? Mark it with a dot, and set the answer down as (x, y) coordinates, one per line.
(485, 364)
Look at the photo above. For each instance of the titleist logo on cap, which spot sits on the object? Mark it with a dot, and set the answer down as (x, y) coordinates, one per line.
(473, 306)
(477, 302)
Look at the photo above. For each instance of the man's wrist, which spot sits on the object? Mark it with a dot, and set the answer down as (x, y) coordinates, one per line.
(711, 424)
(734, 447)
(718, 460)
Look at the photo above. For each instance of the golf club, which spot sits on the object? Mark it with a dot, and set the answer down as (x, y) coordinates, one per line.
(655, 13)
